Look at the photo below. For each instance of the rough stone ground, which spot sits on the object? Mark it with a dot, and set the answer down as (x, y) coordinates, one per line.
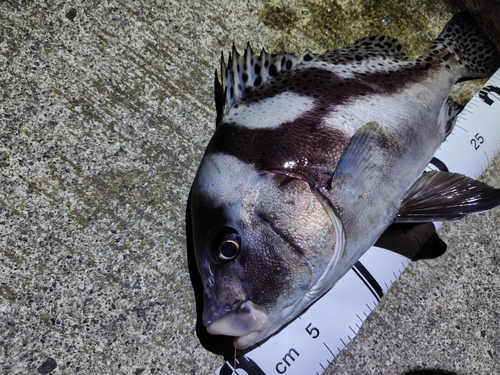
(105, 110)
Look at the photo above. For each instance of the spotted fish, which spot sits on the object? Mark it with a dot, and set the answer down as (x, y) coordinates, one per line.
(313, 157)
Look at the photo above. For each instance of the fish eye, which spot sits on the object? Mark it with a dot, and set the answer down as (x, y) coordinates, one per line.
(228, 245)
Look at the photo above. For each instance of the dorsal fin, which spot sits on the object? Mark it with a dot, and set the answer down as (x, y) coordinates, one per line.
(245, 72)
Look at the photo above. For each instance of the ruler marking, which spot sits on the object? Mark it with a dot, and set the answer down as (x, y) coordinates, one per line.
(487, 158)
(333, 355)
(353, 331)
(343, 342)
(367, 278)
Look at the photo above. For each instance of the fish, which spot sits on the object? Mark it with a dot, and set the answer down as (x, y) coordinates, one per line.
(314, 156)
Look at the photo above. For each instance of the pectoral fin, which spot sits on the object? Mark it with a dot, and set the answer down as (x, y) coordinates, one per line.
(442, 196)
(360, 163)
(414, 241)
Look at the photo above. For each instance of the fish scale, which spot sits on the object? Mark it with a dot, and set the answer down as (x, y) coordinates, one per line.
(313, 158)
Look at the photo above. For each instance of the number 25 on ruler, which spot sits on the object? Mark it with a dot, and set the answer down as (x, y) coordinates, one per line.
(477, 141)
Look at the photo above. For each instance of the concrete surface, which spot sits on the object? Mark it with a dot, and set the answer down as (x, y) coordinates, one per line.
(105, 110)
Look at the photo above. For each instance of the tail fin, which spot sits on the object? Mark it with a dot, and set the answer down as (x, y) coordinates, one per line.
(463, 39)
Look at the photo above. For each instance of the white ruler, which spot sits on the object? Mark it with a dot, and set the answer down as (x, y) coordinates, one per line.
(313, 339)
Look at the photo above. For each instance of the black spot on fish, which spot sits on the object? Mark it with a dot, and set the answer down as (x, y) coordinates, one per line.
(272, 70)
(257, 69)
(244, 77)
(257, 81)
(308, 57)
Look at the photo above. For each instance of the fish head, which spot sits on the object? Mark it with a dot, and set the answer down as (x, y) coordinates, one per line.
(263, 243)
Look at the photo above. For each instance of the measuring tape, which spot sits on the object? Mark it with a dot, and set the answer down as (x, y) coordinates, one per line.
(311, 341)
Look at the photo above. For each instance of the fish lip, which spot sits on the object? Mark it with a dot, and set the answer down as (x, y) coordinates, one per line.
(245, 324)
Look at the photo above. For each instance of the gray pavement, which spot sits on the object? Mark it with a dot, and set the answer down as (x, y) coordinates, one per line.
(105, 110)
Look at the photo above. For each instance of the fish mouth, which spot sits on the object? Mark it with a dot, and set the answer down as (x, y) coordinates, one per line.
(246, 324)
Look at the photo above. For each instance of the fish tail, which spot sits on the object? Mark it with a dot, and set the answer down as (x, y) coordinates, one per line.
(465, 41)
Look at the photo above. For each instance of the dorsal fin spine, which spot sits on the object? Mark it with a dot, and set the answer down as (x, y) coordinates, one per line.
(235, 56)
(223, 69)
(270, 66)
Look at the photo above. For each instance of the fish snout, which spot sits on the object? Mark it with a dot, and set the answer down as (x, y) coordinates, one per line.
(213, 311)
(222, 295)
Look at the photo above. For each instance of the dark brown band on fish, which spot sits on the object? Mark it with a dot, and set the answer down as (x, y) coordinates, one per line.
(302, 148)
(327, 87)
